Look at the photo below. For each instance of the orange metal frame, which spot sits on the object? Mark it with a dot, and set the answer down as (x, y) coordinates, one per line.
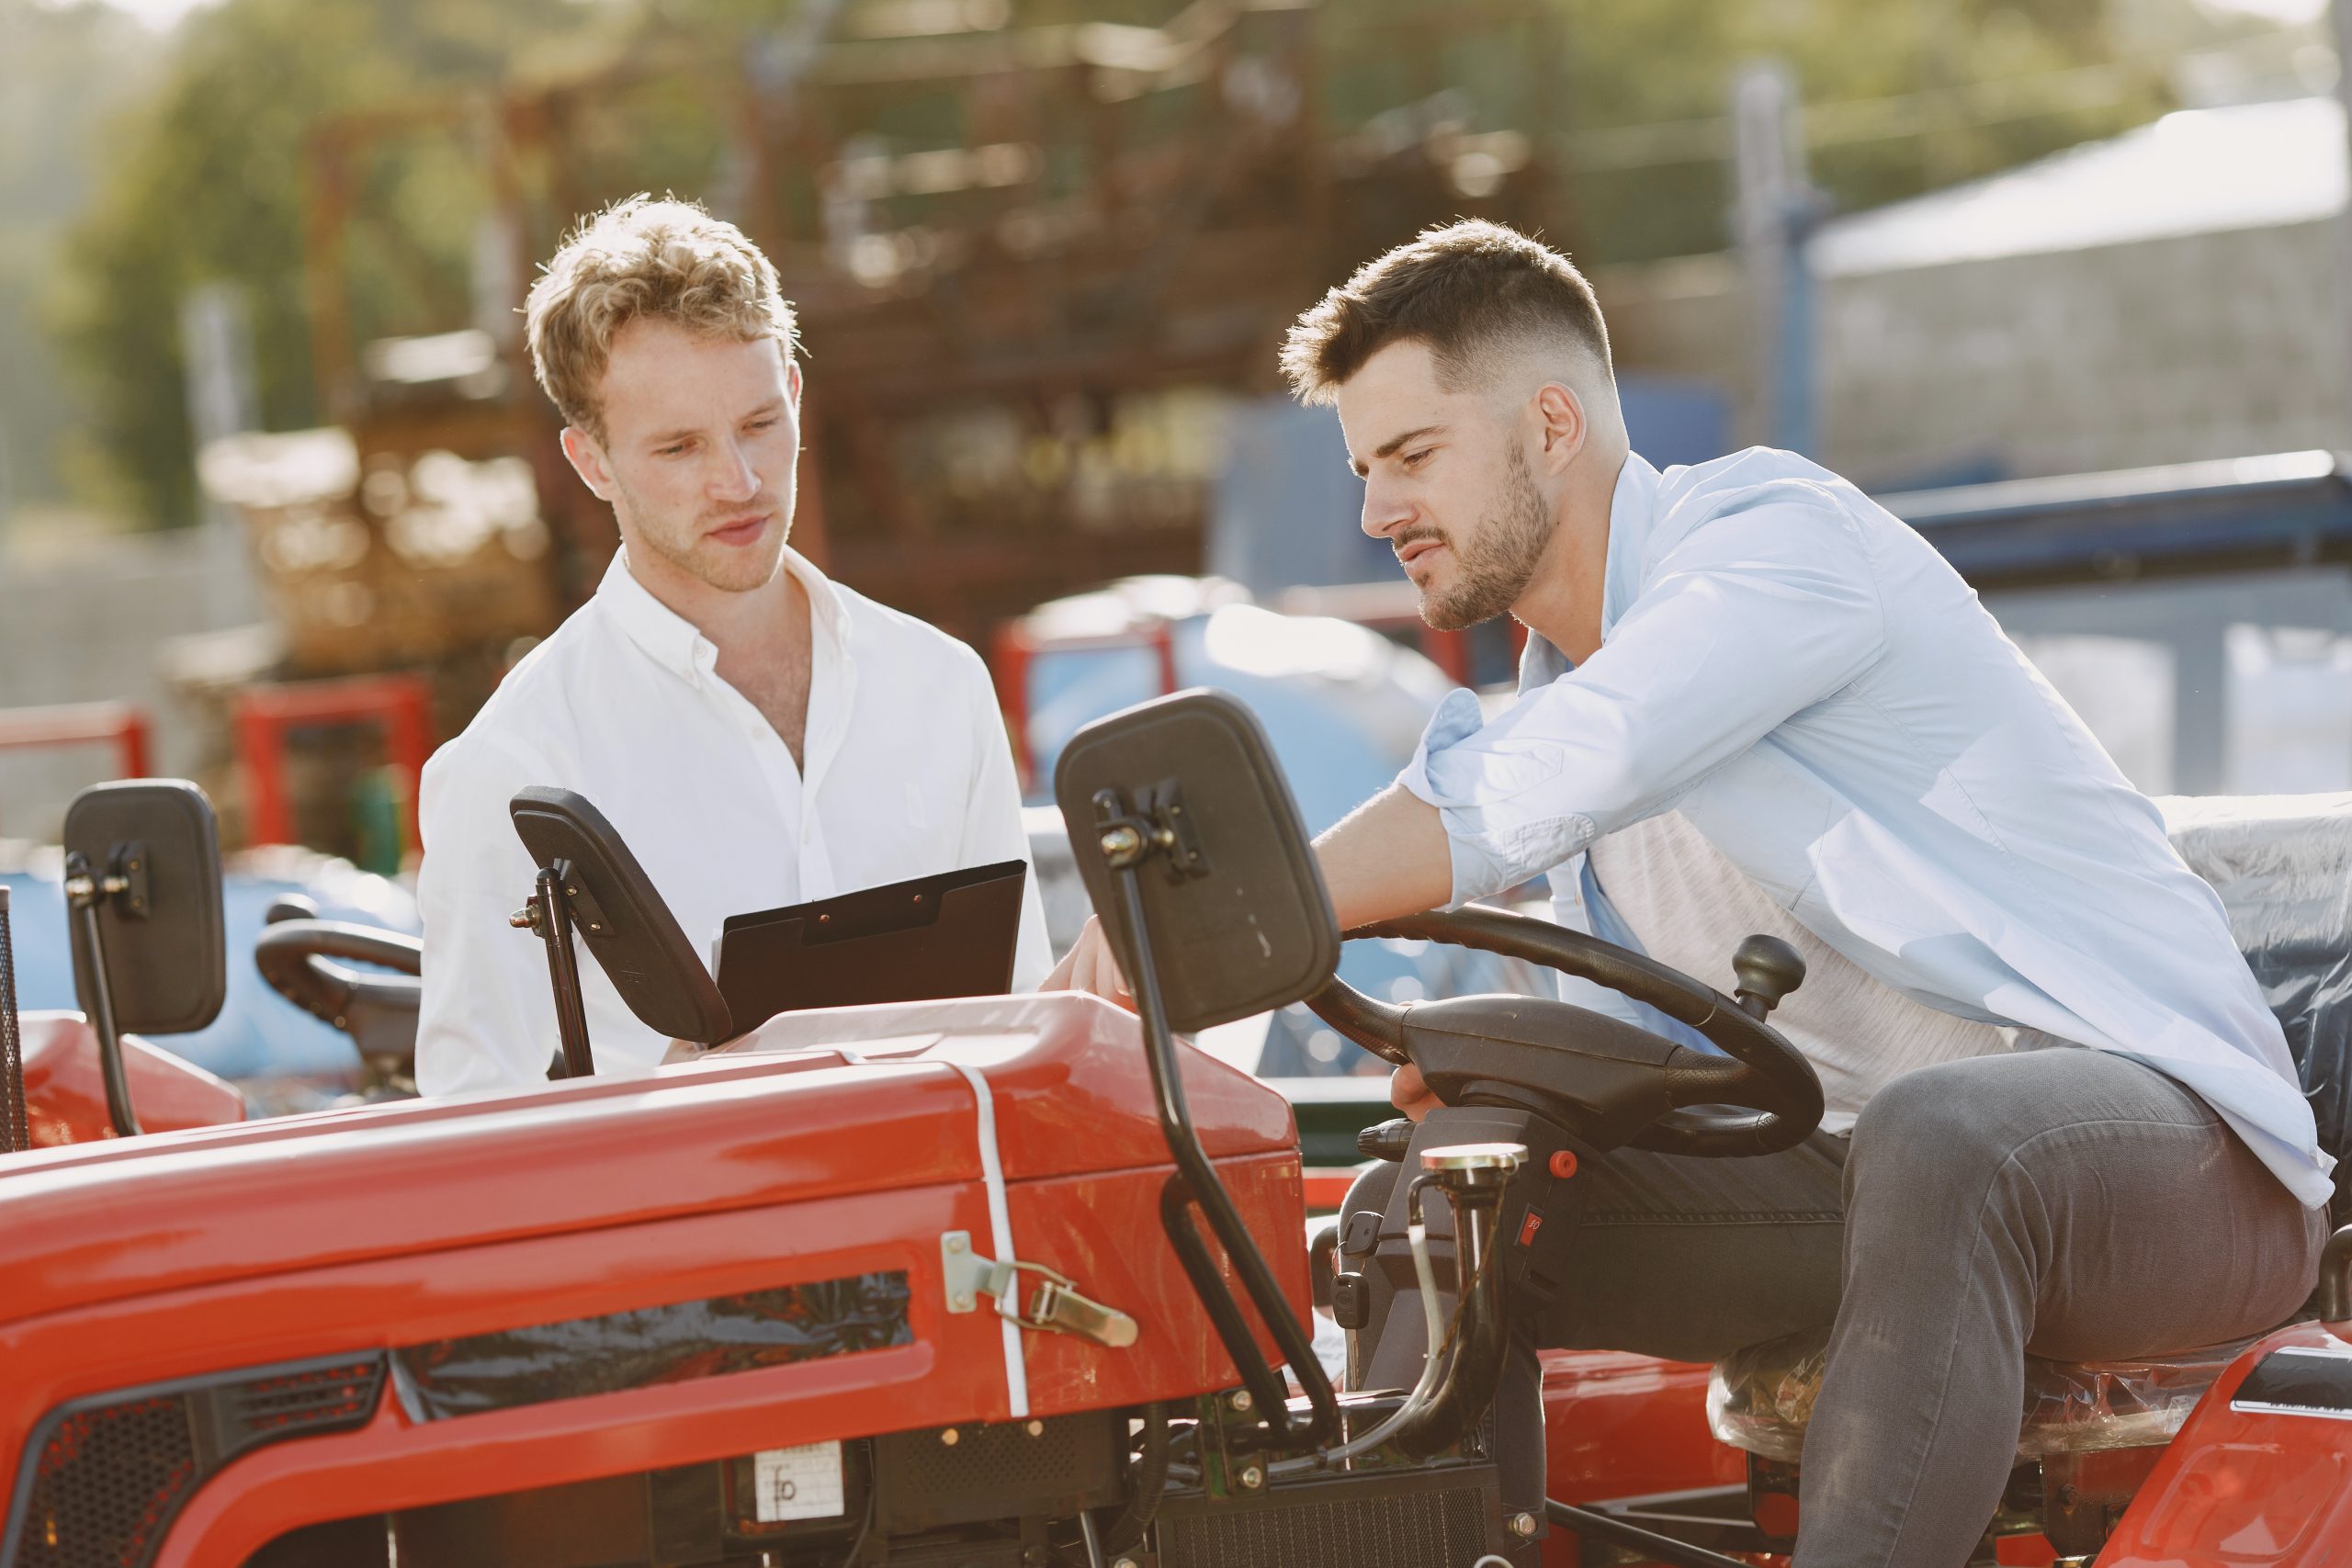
(1017, 649)
(123, 725)
(262, 716)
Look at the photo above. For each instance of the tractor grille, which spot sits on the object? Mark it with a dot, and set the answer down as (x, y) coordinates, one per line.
(15, 1132)
(307, 1398)
(108, 1475)
(1001, 1472)
(106, 1483)
(1379, 1520)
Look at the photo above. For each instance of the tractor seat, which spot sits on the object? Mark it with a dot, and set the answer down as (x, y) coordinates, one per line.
(2282, 865)
(1759, 1399)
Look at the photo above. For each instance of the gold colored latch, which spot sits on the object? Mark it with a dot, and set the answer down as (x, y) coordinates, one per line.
(1057, 1306)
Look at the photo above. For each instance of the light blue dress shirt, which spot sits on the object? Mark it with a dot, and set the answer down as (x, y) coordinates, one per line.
(1804, 678)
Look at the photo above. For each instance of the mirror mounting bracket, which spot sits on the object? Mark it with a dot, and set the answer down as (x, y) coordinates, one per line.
(122, 885)
(559, 900)
(1158, 825)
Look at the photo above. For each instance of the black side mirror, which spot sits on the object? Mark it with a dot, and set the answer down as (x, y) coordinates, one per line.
(1239, 921)
(591, 886)
(142, 892)
(1194, 855)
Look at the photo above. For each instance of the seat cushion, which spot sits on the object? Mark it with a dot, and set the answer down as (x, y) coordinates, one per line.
(1760, 1398)
(2282, 865)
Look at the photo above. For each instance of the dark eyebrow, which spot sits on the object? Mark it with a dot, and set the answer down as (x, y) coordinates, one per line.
(1390, 447)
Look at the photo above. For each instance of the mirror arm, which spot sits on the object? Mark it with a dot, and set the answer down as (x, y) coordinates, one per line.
(548, 915)
(83, 890)
(1200, 1185)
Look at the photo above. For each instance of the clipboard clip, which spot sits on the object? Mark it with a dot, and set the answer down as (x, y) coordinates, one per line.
(1159, 822)
(1056, 1307)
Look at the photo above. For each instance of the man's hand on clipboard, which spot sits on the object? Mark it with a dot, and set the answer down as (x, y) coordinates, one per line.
(1088, 967)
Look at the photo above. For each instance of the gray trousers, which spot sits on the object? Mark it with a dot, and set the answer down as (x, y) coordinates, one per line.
(2064, 1203)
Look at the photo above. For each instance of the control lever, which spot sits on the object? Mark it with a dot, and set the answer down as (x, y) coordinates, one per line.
(1389, 1140)
(1768, 969)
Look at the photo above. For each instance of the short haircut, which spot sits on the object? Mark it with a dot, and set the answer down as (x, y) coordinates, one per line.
(1470, 290)
(667, 261)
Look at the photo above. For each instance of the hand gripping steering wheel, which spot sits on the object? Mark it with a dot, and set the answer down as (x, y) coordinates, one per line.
(1610, 1081)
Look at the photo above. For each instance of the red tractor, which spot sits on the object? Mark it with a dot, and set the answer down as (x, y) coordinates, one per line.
(1003, 1280)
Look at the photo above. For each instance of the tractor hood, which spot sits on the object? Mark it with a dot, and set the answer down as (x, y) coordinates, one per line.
(813, 1105)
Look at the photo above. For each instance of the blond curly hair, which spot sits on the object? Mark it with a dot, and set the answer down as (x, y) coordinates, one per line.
(667, 260)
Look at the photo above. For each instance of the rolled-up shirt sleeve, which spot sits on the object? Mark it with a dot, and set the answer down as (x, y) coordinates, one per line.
(1754, 615)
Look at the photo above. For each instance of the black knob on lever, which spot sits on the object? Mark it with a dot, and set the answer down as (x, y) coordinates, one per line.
(1768, 969)
(1387, 1140)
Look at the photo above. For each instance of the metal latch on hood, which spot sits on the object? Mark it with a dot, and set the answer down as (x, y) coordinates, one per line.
(1056, 1304)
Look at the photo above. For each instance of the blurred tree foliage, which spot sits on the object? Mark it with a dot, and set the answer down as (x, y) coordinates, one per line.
(207, 177)
(63, 70)
(207, 184)
(1907, 95)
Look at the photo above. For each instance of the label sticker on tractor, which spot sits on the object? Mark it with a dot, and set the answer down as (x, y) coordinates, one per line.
(799, 1484)
(2297, 1379)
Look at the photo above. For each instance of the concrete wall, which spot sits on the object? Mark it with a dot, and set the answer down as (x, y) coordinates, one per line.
(2206, 346)
(88, 626)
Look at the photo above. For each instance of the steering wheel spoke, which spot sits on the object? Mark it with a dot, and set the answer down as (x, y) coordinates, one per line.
(1604, 1079)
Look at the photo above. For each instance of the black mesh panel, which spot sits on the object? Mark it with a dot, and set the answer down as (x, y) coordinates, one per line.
(105, 1476)
(106, 1483)
(1379, 1520)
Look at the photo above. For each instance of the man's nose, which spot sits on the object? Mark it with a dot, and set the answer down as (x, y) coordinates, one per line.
(1385, 510)
(733, 476)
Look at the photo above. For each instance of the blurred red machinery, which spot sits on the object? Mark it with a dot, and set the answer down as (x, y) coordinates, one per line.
(1014, 650)
(123, 725)
(263, 716)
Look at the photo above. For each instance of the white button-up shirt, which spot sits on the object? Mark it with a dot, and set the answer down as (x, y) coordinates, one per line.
(1812, 687)
(908, 772)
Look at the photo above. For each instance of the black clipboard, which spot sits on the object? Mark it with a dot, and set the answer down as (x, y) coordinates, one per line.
(950, 935)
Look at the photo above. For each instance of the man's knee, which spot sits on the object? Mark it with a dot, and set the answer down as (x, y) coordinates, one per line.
(1943, 1128)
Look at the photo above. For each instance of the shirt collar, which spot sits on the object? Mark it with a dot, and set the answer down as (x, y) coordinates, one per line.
(1632, 508)
(676, 644)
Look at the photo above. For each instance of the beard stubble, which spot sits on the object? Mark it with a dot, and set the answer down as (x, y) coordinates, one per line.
(1495, 567)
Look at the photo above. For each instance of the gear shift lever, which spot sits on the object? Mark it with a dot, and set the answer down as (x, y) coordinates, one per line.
(1768, 969)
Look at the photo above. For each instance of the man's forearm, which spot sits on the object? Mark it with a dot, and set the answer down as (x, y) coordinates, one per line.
(1389, 857)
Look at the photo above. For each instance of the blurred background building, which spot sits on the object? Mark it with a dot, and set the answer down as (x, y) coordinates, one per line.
(2064, 282)
(267, 426)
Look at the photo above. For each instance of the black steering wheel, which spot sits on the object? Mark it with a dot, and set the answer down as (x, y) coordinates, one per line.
(1609, 1081)
(377, 1011)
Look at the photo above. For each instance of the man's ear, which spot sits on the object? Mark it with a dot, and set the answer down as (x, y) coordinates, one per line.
(792, 382)
(589, 462)
(1564, 428)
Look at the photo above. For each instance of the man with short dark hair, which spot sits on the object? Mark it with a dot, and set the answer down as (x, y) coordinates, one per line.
(2061, 1119)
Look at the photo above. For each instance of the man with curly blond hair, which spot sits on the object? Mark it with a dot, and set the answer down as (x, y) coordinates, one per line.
(759, 734)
